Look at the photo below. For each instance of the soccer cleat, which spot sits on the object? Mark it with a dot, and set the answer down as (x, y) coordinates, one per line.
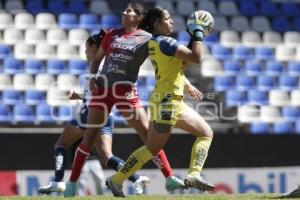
(173, 183)
(115, 189)
(53, 187)
(140, 184)
(293, 194)
(70, 189)
(198, 182)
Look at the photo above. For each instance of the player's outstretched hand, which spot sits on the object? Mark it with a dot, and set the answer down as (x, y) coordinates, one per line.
(74, 95)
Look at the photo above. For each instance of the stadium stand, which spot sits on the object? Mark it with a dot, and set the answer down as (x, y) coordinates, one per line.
(252, 57)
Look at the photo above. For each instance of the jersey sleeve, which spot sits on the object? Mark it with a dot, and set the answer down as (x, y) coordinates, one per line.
(168, 46)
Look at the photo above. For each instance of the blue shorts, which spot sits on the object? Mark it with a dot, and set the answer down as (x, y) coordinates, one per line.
(81, 120)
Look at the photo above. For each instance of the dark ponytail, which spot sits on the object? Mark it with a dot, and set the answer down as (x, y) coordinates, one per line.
(153, 15)
(96, 38)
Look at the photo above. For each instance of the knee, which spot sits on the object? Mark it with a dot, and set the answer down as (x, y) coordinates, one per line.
(208, 132)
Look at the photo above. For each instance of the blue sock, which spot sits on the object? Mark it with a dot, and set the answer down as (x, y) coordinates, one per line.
(116, 163)
(60, 155)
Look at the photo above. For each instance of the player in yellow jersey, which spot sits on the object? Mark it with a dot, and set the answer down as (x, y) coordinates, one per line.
(166, 103)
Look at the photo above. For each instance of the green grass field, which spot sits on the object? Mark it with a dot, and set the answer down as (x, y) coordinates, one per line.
(156, 197)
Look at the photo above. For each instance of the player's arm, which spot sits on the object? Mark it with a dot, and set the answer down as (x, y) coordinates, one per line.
(75, 96)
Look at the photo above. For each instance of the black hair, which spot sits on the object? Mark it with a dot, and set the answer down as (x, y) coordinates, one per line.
(96, 38)
(139, 9)
(153, 15)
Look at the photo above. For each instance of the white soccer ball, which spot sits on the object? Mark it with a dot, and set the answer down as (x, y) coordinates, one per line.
(203, 18)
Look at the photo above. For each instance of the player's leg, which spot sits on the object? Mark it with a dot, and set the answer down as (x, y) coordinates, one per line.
(95, 116)
(138, 119)
(70, 134)
(193, 123)
(156, 138)
(104, 149)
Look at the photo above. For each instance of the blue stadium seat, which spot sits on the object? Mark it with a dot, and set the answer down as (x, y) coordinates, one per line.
(269, 9)
(33, 66)
(65, 113)
(5, 114)
(35, 6)
(5, 51)
(23, 114)
(260, 128)
(264, 53)
(283, 127)
(67, 21)
(55, 66)
(248, 8)
(77, 7)
(244, 82)
(223, 83)
(288, 82)
(266, 83)
(232, 67)
(78, 67)
(12, 65)
(34, 97)
(141, 81)
(281, 24)
(296, 24)
(89, 21)
(110, 21)
(183, 37)
(242, 53)
(11, 97)
(235, 98)
(220, 52)
(119, 119)
(57, 7)
(211, 39)
(256, 97)
(253, 68)
(274, 68)
(294, 68)
(290, 9)
(297, 127)
(43, 113)
(150, 82)
(290, 113)
(144, 95)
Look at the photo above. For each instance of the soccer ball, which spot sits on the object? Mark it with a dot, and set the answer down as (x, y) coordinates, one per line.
(203, 18)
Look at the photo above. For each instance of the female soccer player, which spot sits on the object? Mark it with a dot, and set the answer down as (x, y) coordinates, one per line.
(166, 103)
(75, 131)
(124, 50)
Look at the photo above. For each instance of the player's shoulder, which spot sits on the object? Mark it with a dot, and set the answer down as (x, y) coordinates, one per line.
(164, 39)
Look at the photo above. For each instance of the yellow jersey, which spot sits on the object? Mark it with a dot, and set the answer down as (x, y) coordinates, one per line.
(168, 69)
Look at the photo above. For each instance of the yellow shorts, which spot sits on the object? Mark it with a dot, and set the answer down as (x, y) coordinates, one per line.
(166, 109)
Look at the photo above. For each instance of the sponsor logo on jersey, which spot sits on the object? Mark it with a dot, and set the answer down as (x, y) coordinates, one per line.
(121, 57)
(115, 69)
(115, 45)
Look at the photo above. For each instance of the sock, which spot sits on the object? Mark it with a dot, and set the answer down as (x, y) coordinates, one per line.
(117, 163)
(82, 153)
(135, 162)
(162, 163)
(199, 154)
(60, 156)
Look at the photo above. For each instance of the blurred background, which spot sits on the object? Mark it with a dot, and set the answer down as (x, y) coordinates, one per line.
(249, 76)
